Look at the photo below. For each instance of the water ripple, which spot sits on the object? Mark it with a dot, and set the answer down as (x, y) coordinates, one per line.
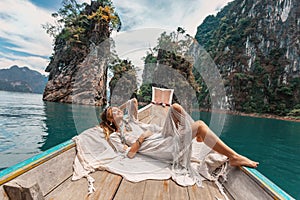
(29, 128)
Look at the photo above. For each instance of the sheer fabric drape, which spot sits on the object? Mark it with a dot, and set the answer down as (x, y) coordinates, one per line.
(169, 152)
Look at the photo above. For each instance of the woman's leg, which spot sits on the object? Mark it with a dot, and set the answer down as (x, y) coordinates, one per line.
(203, 134)
(176, 113)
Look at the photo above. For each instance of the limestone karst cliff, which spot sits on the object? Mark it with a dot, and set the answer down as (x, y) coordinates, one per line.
(78, 66)
(256, 46)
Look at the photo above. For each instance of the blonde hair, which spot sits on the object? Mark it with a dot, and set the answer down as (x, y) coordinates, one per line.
(107, 126)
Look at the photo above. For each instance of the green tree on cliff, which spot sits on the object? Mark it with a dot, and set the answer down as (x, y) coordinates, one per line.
(71, 20)
(123, 84)
(80, 52)
(172, 50)
(78, 26)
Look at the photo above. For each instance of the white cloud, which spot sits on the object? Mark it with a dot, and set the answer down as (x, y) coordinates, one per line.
(134, 45)
(84, 1)
(22, 27)
(168, 14)
(33, 62)
(20, 24)
(149, 18)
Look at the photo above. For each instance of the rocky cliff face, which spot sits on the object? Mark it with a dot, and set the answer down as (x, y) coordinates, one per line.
(256, 46)
(79, 65)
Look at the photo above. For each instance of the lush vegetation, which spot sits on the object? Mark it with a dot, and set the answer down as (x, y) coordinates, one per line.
(75, 21)
(172, 51)
(262, 86)
(77, 27)
(123, 84)
(254, 83)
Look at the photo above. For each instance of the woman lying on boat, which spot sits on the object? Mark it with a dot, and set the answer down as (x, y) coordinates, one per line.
(170, 143)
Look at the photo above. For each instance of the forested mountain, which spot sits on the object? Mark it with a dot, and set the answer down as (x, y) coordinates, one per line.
(22, 79)
(256, 46)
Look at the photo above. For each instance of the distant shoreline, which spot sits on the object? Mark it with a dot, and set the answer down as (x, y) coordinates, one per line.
(257, 115)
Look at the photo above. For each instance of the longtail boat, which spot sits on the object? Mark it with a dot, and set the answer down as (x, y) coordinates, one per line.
(48, 176)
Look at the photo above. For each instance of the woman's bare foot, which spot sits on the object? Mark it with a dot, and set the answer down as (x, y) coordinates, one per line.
(240, 160)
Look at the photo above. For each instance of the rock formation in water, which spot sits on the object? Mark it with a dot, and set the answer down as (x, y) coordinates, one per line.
(78, 66)
(167, 66)
(123, 84)
(256, 46)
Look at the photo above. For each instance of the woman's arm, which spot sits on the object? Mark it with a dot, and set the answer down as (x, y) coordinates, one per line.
(115, 140)
(134, 109)
(122, 148)
(136, 146)
(124, 105)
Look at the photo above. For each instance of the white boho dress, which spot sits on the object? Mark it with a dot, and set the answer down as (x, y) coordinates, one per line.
(170, 143)
(165, 154)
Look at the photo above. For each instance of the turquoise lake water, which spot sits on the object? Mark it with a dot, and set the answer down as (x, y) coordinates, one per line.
(29, 126)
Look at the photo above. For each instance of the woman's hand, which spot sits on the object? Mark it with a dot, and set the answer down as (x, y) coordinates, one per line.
(135, 147)
(124, 105)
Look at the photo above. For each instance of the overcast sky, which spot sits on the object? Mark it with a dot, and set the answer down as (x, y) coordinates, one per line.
(23, 42)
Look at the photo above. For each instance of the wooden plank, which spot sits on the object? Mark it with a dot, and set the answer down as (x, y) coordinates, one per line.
(106, 187)
(69, 189)
(196, 193)
(214, 191)
(241, 186)
(154, 115)
(143, 113)
(3, 195)
(23, 190)
(156, 189)
(130, 191)
(27, 165)
(266, 184)
(147, 120)
(177, 191)
(52, 173)
(230, 197)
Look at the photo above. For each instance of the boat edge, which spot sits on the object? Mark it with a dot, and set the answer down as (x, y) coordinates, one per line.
(30, 163)
(266, 184)
(16, 170)
(22, 167)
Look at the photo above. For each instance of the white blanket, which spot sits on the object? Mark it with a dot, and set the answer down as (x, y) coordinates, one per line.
(95, 153)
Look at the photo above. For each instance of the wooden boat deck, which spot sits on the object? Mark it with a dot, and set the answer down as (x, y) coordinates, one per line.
(111, 186)
(49, 176)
